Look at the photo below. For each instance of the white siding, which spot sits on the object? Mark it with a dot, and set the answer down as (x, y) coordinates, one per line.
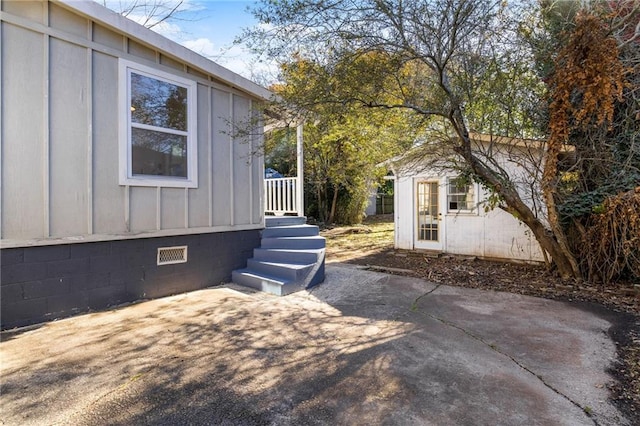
(143, 205)
(241, 163)
(257, 171)
(465, 234)
(35, 11)
(108, 38)
(493, 234)
(109, 200)
(404, 214)
(24, 140)
(69, 140)
(221, 158)
(200, 198)
(65, 20)
(509, 238)
(173, 208)
(59, 130)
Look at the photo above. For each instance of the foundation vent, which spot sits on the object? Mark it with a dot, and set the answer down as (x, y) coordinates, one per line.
(171, 255)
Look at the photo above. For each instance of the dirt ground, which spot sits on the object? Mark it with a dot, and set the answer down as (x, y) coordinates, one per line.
(371, 245)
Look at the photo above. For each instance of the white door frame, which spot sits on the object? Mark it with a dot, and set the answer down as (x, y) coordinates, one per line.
(433, 237)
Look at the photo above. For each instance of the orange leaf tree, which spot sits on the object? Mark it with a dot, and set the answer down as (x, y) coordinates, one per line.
(592, 110)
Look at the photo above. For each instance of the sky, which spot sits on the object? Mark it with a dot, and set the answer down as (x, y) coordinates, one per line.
(209, 28)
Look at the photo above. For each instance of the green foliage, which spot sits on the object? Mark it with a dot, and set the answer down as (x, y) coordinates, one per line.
(343, 143)
(351, 205)
(453, 67)
(508, 102)
(280, 151)
(580, 203)
(386, 188)
(342, 153)
(426, 56)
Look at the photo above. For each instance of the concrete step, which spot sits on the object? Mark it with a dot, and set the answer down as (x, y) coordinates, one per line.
(287, 271)
(266, 283)
(290, 231)
(284, 220)
(249, 278)
(317, 277)
(289, 256)
(290, 259)
(296, 243)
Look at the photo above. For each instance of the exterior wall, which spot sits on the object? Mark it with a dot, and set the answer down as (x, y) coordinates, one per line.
(493, 234)
(404, 212)
(370, 210)
(73, 238)
(59, 128)
(49, 282)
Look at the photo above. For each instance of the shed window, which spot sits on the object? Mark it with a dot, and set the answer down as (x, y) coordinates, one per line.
(460, 196)
(158, 144)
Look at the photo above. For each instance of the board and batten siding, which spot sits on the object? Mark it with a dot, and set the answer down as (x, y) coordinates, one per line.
(59, 82)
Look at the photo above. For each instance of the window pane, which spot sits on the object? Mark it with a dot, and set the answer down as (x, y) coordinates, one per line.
(158, 103)
(460, 196)
(158, 153)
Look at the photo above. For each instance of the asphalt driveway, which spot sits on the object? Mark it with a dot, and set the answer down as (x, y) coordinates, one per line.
(361, 349)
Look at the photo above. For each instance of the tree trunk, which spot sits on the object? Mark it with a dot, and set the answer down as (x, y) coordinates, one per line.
(334, 203)
(558, 232)
(321, 210)
(549, 179)
(519, 209)
(563, 261)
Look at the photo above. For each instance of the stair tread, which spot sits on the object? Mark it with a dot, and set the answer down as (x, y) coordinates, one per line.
(301, 225)
(290, 258)
(271, 217)
(285, 264)
(297, 237)
(273, 279)
(272, 221)
(292, 250)
(255, 274)
(288, 255)
(290, 231)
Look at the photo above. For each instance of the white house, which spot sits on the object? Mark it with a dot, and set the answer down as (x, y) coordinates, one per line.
(122, 177)
(437, 211)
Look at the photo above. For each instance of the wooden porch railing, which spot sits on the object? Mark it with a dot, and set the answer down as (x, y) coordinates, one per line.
(281, 196)
(285, 195)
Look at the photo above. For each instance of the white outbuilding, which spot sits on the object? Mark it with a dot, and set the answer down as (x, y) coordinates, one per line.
(438, 211)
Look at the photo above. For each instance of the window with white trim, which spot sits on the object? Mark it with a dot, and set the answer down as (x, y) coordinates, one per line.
(158, 145)
(460, 196)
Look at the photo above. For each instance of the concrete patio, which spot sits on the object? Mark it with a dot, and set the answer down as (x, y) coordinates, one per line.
(363, 348)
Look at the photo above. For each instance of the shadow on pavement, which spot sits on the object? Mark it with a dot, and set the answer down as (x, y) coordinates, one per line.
(363, 348)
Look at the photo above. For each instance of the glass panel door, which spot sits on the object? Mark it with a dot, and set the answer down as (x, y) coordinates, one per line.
(428, 211)
(429, 231)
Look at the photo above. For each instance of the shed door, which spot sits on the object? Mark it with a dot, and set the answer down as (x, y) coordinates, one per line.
(429, 229)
